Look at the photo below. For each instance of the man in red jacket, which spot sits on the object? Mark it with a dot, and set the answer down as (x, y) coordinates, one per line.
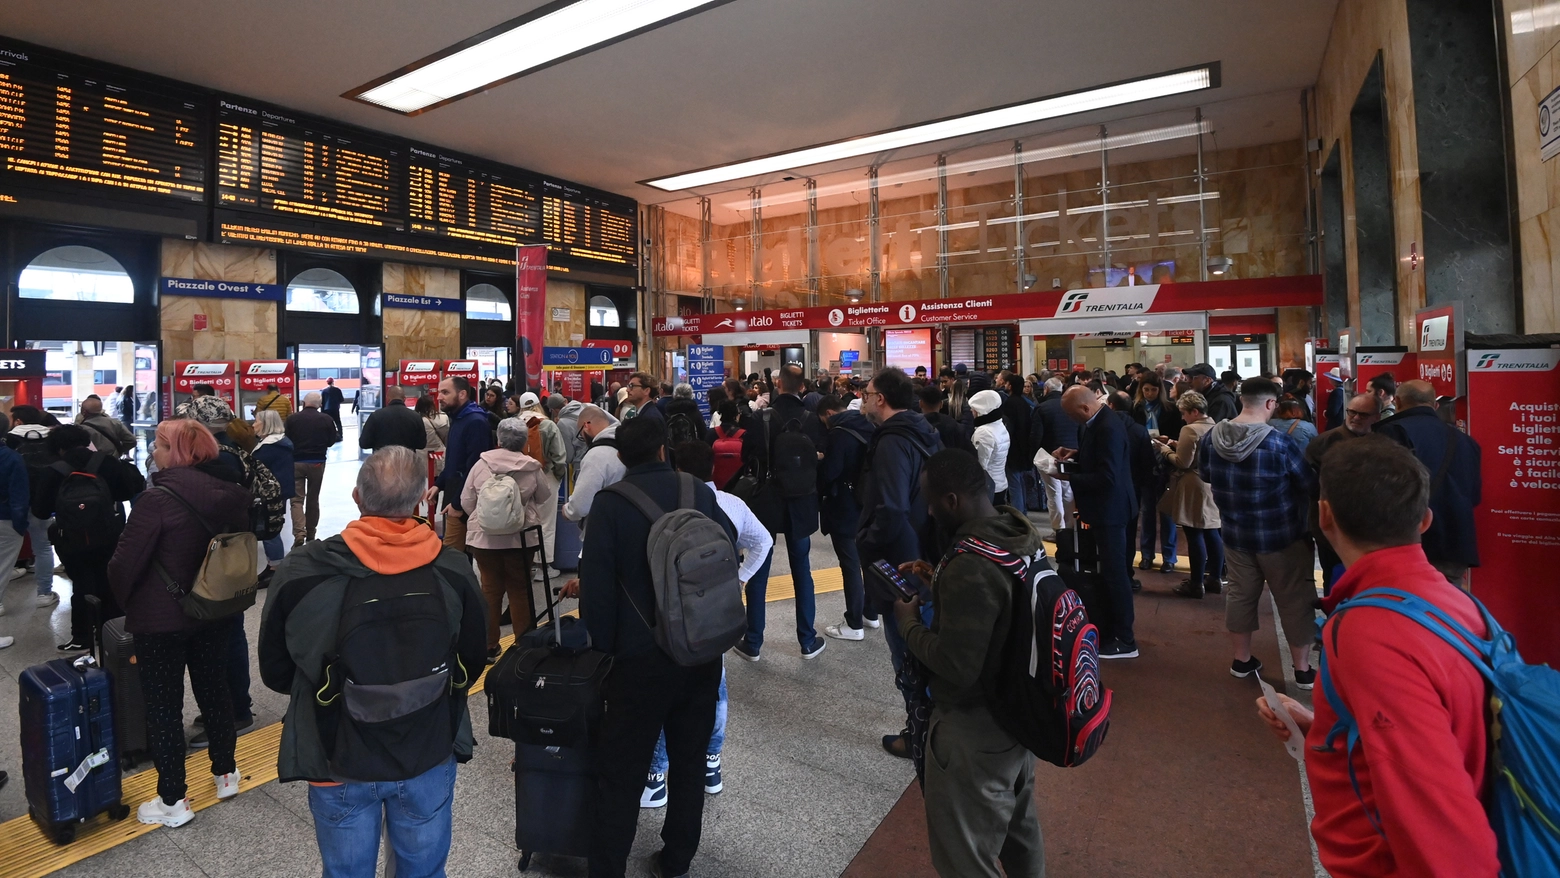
(1424, 743)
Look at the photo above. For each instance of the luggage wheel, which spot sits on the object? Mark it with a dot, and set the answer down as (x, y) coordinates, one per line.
(525, 861)
(64, 834)
(119, 812)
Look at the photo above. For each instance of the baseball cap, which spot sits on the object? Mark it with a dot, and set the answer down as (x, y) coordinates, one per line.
(528, 399)
(556, 401)
(1204, 370)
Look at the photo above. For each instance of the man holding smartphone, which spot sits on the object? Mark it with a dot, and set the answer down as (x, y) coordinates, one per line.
(1100, 471)
(980, 781)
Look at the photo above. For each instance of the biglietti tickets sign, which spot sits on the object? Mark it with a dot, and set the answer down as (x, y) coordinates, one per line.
(1273, 292)
(254, 375)
(419, 372)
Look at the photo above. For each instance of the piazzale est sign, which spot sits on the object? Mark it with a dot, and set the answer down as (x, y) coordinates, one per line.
(1272, 292)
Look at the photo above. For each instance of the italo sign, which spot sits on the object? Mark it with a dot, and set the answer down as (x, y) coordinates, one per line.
(1273, 292)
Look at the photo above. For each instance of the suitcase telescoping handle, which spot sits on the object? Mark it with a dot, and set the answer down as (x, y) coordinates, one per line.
(551, 594)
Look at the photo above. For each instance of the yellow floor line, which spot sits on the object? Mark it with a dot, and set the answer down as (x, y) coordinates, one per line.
(28, 853)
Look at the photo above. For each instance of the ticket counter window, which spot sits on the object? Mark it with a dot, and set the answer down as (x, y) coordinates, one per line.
(322, 290)
(76, 274)
(487, 302)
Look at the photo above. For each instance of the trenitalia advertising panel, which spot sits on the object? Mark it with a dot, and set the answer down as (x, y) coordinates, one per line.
(1514, 414)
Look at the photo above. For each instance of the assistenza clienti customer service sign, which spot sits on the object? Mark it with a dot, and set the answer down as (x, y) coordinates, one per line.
(1272, 292)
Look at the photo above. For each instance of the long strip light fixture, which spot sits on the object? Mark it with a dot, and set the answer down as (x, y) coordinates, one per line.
(1205, 76)
(548, 35)
(990, 163)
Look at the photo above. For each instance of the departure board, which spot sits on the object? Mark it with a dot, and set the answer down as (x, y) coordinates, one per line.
(71, 123)
(273, 161)
(585, 224)
(458, 197)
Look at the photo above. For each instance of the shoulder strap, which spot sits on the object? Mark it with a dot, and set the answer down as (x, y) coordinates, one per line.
(856, 433)
(186, 504)
(633, 494)
(687, 487)
(1292, 427)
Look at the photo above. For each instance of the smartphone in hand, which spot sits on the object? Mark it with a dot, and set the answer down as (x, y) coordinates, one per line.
(885, 572)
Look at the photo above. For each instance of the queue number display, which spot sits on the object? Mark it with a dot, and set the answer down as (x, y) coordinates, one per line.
(276, 162)
(65, 122)
(456, 197)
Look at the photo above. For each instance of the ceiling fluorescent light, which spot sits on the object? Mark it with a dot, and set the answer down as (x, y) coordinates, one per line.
(550, 34)
(1163, 85)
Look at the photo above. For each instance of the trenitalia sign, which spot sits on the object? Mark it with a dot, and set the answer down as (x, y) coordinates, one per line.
(1274, 292)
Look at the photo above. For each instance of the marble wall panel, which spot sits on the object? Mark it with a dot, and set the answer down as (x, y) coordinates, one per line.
(414, 334)
(1294, 327)
(236, 329)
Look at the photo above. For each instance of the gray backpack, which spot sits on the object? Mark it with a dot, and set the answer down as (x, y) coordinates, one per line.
(693, 572)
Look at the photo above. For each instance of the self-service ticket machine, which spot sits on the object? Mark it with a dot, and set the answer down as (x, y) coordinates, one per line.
(467, 369)
(254, 376)
(419, 377)
(21, 378)
(219, 374)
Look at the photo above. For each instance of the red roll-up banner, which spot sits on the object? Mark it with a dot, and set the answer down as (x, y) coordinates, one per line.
(1513, 399)
(530, 303)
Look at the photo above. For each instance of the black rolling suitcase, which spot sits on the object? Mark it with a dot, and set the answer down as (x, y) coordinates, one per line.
(545, 695)
(118, 648)
(70, 758)
(1078, 565)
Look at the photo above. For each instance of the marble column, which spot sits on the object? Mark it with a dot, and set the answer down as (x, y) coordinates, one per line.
(1373, 222)
(1460, 114)
(1335, 264)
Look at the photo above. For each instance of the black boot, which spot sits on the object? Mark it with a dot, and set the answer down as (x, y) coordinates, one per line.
(1213, 584)
(1189, 589)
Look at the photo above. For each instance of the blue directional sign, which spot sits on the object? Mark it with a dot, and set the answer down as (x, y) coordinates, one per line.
(576, 358)
(706, 369)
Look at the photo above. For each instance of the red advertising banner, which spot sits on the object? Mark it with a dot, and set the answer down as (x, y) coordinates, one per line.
(254, 375)
(188, 373)
(573, 386)
(1270, 292)
(1513, 403)
(1441, 361)
(530, 319)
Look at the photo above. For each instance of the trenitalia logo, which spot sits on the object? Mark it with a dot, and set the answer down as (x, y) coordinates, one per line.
(1432, 335)
(1531, 360)
(1104, 302)
(267, 369)
(192, 370)
(1486, 361)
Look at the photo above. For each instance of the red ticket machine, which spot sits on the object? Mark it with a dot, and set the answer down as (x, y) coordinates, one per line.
(420, 377)
(467, 369)
(254, 376)
(218, 374)
(21, 378)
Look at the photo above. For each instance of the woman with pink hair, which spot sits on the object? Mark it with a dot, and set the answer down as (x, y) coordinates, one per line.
(158, 557)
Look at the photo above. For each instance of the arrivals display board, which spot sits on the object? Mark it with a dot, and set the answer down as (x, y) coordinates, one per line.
(80, 126)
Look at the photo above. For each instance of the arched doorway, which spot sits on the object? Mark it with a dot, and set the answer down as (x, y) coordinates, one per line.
(329, 325)
(487, 325)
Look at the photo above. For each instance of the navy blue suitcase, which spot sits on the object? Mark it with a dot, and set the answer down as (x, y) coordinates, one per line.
(67, 719)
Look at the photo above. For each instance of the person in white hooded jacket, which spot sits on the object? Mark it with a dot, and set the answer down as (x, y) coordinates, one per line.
(991, 441)
(599, 467)
(504, 560)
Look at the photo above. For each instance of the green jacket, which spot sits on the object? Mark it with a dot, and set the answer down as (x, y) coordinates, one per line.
(973, 600)
(299, 627)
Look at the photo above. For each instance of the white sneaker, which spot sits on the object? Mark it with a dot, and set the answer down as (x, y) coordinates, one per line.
(19, 572)
(6, 641)
(873, 623)
(654, 795)
(844, 632)
(155, 813)
(47, 600)
(227, 784)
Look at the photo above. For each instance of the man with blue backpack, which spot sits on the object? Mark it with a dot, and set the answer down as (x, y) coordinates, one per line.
(1407, 770)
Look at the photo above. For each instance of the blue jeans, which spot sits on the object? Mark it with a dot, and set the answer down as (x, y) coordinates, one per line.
(43, 553)
(1206, 548)
(850, 572)
(1017, 497)
(798, 550)
(238, 670)
(348, 817)
(1150, 520)
(757, 586)
(273, 550)
(659, 762)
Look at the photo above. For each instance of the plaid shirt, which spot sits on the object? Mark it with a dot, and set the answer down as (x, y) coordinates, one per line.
(1263, 499)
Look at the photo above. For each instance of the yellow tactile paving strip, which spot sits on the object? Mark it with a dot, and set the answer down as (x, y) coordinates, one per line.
(25, 852)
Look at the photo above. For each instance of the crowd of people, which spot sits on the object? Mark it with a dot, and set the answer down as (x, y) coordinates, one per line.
(1232, 472)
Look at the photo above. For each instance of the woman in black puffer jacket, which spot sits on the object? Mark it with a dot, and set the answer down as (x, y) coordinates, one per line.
(162, 529)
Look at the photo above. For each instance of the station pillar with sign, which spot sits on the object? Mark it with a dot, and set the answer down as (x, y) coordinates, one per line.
(218, 374)
(255, 375)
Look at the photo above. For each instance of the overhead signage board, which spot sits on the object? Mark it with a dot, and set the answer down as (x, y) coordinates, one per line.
(576, 358)
(1145, 299)
(221, 289)
(421, 303)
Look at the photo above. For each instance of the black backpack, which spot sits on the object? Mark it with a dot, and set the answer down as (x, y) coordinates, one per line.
(386, 705)
(793, 462)
(34, 449)
(85, 514)
(1047, 691)
(679, 429)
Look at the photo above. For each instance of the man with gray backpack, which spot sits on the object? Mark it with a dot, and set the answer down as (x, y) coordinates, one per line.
(659, 592)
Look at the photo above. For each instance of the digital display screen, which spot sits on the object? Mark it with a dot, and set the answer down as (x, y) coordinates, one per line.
(587, 225)
(64, 122)
(461, 198)
(277, 162)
